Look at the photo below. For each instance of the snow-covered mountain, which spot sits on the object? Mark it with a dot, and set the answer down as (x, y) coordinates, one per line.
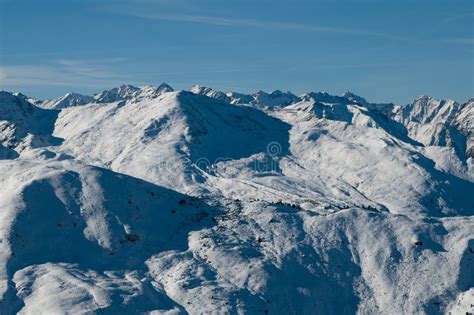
(127, 92)
(177, 134)
(260, 98)
(148, 200)
(207, 91)
(430, 122)
(68, 100)
(463, 122)
(23, 125)
(31, 100)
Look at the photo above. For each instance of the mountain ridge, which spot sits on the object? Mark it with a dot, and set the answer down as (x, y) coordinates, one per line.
(203, 201)
(127, 92)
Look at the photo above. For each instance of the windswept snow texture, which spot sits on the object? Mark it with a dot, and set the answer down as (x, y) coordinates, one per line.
(145, 200)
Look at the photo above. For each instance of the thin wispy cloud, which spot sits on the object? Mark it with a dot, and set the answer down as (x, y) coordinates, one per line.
(166, 13)
(206, 71)
(62, 72)
(349, 66)
(92, 73)
(228, 21)
(21, 76)
(96, 68)
(97, 73)
(467, 40)
(454, 18)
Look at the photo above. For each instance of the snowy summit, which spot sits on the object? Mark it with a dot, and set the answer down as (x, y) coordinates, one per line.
(146, 200)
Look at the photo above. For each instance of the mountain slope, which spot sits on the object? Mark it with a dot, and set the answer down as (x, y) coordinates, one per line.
(352, 143)
(430, 122)
(61, 219)
(465, 123)
(259, 203)
(24, 126)
(243, 259)
(170, 135)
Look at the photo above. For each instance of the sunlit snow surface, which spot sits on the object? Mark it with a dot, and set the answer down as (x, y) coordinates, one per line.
(149, 200)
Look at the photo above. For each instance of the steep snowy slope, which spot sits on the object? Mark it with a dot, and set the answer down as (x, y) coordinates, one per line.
(276, 259)
(318, 204)
(31, 100)
(465, 123)
(131, 251)
(173, 135)
(430, 122)
(88, 231)
(233, 265)
(359, 147)
(205, 144)
(23, 125)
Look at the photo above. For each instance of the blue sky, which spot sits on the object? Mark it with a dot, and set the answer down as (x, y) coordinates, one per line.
(382, 50)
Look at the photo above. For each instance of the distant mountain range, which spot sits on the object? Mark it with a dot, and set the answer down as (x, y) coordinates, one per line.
(149, 200)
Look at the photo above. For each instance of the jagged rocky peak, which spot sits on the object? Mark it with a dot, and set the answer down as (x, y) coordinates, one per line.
(127, 92)
(68, 100)
(275, 98)
(209, 92)
(465, 117)
(355, 98)
(23, 125)
(12, 105)
(239, 98)
(21, 95)
(425, 109)
(150, 91)
(465, 123)
(260, 98)
(199, 89)
(432, 122)
(124, 92)
(287, 94)
(164, 87)
(31, 100)
(324, 97)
